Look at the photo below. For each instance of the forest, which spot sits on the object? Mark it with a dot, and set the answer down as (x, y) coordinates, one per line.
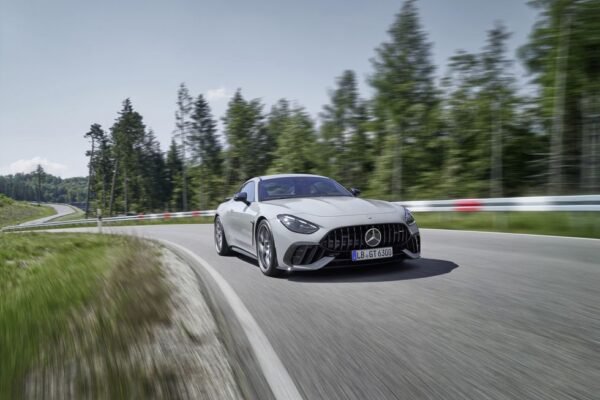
(471, 133)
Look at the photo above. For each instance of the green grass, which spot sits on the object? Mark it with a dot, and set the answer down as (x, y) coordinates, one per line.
(74, 299)
(137, 222)
(15, 212)
(579, 224)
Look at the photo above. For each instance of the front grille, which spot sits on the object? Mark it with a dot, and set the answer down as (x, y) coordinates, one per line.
(353, 237)
(307, 254)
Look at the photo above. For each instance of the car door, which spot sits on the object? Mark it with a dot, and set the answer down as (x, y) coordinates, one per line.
(243, 215)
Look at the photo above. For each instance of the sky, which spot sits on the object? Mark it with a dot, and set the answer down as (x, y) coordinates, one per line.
(66, 64)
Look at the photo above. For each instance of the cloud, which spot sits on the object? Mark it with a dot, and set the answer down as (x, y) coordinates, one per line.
(216, 94)
(30, 165)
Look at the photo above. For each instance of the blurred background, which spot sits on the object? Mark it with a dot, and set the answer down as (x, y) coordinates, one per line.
(471, 128)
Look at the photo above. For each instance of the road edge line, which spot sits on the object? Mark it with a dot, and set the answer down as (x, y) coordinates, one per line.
(273, 370)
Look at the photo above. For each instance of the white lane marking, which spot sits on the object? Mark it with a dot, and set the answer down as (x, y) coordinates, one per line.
(273, 369)
(509, 233)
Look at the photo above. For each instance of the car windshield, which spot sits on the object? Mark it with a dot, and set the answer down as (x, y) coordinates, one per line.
(301, 186)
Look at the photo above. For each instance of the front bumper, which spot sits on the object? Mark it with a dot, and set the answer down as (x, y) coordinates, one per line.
(306, 252)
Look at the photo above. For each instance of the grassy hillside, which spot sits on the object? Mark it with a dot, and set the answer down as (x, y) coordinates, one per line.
(14, 212)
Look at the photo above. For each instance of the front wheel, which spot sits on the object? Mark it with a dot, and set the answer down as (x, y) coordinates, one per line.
(221, 245)
(265, 250)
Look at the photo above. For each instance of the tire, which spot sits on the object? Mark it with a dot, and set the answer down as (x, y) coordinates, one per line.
(265, 250)
(221, 245)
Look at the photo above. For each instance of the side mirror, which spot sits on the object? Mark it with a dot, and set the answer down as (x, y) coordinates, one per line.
(355, 192)
(241, 196)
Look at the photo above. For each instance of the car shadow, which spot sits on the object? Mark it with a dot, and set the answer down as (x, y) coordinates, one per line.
(394, 271)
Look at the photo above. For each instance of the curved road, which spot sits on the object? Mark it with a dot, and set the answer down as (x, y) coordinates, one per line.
(480, 316)
(61, 210)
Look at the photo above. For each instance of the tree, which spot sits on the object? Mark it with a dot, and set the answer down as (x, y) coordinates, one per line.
(206, 150)
(563, 54)
(248, 153)
(296, 145)
(481, 120)
(95, 134)
(103, 166)
(343, 131)
(127, 135)
(183, 124)
(404, 102)
(39, 173)
(152, 174)
(276, 121)
(174, 173)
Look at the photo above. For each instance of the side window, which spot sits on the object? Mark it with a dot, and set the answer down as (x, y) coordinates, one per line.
(249, 189)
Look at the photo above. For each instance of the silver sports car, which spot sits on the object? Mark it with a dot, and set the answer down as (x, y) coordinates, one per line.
(306, 222)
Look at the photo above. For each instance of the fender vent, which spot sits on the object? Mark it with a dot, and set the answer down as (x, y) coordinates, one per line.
(304, 255)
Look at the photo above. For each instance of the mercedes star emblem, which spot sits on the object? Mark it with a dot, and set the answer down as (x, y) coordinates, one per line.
(373, 237)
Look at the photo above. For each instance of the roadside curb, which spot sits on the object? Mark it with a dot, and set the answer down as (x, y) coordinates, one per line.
(260, 372)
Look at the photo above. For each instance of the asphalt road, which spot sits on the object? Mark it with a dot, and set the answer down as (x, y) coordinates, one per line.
(60, 209)
(480, 316)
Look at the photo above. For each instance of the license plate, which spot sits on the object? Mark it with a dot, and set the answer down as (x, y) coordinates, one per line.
(372, 254)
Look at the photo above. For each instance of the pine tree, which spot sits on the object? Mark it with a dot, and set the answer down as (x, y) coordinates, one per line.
(482, 118)
(404, 101)
(296, 145)
(276, 122)
(204, 143)
(563, 55)
(249, 150)
(343, 131)
(95, 134)
(183, 124)
(103, 169)
(174, 173)
(206, 150)
(153, 174)
(127, 135)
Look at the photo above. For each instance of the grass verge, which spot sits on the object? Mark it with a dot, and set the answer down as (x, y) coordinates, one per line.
(577, 224)
(15, 212)
(137, 222)
(73, 307)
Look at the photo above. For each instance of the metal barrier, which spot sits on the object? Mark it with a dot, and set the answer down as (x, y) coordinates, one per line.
(542, 203)
(100, 221)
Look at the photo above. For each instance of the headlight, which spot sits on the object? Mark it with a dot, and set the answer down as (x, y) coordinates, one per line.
(408, 217)
(297, 225)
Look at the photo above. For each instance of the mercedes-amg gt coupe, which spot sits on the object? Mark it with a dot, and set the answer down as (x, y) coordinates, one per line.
(299, 222)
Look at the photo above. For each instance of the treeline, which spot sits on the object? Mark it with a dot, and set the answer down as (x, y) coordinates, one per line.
(45, 187)
(473, 134)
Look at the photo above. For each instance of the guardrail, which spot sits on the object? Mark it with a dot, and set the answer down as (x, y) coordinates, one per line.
(542, 203)
(101, 221)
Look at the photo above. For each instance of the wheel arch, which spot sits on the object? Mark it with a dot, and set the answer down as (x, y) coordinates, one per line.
(255, 230)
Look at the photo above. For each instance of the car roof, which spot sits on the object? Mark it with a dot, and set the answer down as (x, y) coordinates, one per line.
(265, 177)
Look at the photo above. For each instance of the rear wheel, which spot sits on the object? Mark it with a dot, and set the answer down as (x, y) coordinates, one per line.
(220, 241)
(265, 250)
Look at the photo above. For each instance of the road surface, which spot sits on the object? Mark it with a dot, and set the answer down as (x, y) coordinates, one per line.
(61, 210)
(480, 316)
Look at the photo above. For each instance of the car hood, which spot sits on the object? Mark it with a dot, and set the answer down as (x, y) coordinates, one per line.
(334, 206)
